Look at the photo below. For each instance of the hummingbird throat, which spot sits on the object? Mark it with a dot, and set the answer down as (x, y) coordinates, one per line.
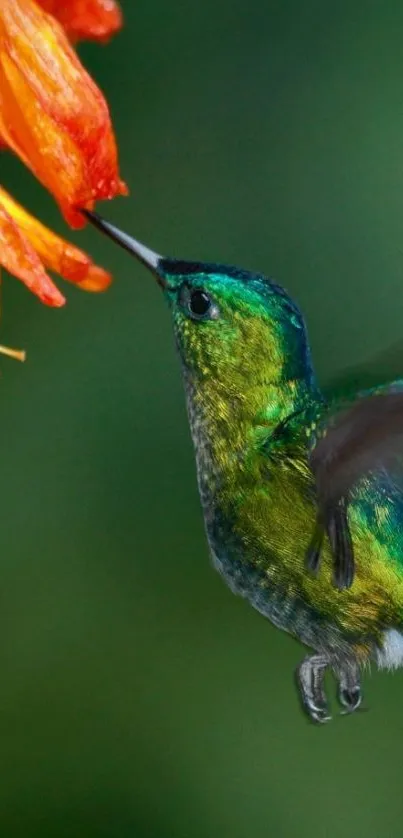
(230, 430)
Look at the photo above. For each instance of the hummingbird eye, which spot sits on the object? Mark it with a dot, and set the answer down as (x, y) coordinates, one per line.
(198, 303)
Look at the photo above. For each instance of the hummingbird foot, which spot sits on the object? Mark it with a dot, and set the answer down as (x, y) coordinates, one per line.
(310, 679)
(350, 695)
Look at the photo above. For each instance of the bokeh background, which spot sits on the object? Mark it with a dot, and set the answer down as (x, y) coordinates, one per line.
(138, 697)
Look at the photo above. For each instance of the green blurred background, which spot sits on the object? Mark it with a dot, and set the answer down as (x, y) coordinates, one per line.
(138, 697)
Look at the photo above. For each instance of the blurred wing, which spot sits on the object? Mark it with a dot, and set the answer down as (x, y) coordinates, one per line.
(382, 368)
(364, 438)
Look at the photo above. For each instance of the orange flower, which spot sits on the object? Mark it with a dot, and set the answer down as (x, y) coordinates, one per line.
(91, 19)
(55, 119)
(26, 246)
(51, 112)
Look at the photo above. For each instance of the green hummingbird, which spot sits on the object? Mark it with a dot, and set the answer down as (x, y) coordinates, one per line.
(304, 517)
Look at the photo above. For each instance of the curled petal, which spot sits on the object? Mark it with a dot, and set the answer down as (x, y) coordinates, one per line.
(51, 112)
(18, 256)
(55, 253)
(95, 20)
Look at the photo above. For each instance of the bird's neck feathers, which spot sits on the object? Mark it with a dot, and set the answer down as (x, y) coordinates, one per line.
(233, 420)
(245, 373)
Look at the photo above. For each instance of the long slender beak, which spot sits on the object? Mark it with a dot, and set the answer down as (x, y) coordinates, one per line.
(148, 257)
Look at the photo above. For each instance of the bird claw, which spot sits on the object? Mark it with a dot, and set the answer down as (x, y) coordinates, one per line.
(319, 715)
(310, 675)
(350, 699)
(310, 678)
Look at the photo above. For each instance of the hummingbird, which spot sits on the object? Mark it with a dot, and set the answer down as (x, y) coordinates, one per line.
(301, 499)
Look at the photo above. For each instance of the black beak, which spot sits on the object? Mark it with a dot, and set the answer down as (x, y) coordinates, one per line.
(150, 259)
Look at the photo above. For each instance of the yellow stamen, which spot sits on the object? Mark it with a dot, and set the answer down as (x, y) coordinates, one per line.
(18, 354)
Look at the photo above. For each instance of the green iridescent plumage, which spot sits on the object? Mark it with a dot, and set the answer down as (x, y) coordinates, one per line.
(255, 410)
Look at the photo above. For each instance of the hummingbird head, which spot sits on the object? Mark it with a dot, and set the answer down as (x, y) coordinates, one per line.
(233, 327)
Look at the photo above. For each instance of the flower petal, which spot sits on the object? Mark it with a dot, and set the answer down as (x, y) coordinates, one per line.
(95, 20)
(55, 253)
(96, 280)
(18, 257)
(51, 112)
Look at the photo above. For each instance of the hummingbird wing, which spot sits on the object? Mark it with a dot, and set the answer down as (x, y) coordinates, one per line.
(334, 523)
(365, 437)
(378, 370)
